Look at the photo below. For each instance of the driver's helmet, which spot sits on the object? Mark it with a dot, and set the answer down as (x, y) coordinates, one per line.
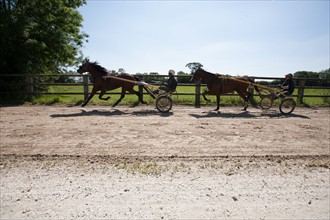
(289, 75)
(171, 72)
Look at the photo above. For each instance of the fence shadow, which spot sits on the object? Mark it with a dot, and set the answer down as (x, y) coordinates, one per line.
(115, 112)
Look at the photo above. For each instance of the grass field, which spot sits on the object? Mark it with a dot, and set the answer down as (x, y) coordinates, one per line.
(178, 99)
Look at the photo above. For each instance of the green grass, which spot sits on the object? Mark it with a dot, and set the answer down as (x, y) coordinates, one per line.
(181, 99)
(311, 101)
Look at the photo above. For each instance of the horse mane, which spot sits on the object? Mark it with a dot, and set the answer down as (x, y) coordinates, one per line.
(247, 78)
(99, 68)
(214, 74)
(201, 69)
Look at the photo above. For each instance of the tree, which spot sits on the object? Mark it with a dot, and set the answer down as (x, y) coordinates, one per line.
(121, 70)
(325, 74)
(151, 77)
(185, 77)
(308, 74)
(38, 37)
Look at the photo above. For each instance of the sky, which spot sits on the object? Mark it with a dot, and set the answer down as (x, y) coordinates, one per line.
(254, 38)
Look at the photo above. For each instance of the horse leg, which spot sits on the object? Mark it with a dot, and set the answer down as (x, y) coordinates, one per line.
(204, 96)
(218, 103)
(89, 98)
(121, 97)
(131, 90)
(244, 95)
(101, 94)
(140, 97)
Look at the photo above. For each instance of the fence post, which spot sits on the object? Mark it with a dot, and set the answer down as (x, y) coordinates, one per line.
(29, 86)
(301, 89)
(198, 94)
(141, 91)
(85, 85)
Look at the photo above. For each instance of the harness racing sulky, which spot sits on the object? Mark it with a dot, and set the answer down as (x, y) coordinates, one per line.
(104, 81)
(218, 84)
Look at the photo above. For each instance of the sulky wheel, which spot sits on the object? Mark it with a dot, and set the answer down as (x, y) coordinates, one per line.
(164, 103)
(266, 102)
(287, 106)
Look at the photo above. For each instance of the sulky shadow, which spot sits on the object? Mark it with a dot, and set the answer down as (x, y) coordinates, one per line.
(219, 114)
(277, 114)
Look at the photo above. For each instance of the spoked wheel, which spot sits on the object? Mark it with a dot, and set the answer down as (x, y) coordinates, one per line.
(287, 106)
(164, 103)
(266, 102)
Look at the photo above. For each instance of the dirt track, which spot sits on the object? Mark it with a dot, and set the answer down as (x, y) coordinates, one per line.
(100, 162)
(142, 131)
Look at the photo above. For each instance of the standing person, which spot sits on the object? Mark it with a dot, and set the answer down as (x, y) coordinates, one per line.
(171, 83)
(288, 85)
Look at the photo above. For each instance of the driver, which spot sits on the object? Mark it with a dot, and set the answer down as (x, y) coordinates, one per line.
(171, 83)
(288, 85)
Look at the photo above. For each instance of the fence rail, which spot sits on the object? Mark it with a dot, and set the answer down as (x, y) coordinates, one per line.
(30, 85)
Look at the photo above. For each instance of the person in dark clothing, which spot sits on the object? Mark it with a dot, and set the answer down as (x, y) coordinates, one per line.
(171, 83)
(288, 86)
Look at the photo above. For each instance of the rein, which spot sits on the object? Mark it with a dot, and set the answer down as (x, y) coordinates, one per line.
(224, 78)
(125, 80)
(247, 82)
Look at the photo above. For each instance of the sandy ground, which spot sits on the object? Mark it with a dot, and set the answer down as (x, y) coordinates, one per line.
(60, 162)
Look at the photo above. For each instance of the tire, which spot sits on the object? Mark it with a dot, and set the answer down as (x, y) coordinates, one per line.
(287, 106)
(266, 102)
(164, 103)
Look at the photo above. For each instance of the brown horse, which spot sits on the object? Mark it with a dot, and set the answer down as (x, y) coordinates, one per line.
(106, 84)
(219, 84)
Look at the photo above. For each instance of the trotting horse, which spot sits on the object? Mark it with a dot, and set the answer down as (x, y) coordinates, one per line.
(106, 84)
(218, 84)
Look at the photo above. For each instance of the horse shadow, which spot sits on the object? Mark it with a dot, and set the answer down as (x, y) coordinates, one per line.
(247, 114)
(151, 113)
(115, 112)
(88, 113)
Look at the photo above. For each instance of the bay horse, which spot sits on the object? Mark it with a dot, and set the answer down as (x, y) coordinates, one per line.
(105, 84)
(219, 84)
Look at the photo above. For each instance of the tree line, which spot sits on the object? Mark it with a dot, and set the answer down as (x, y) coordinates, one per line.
(312, 78)
(45, 36)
